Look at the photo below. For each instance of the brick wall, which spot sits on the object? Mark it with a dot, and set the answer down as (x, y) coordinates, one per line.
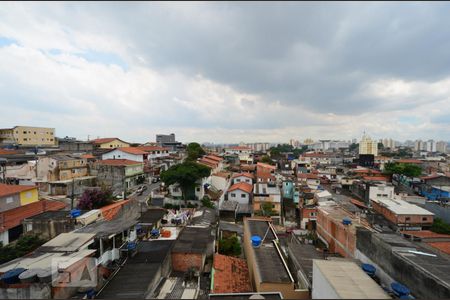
(183, 261)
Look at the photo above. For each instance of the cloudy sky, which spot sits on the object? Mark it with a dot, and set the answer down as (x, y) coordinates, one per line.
(227, 72)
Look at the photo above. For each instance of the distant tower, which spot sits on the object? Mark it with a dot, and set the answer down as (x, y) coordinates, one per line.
(368, 146)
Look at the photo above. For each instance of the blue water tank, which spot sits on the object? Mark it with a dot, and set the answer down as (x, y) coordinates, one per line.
(256, 241)
(154, 232)
(12, 276)
(369, 269)
(346, 221)
(399, 289)
(131, 246)
(75, 213)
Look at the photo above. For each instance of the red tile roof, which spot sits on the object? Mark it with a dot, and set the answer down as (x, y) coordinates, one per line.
(88, 156)
(245, 167)
(248, 188)
(221, 174)
(13, 217)
(441, 246)
(368, 171)
(409, 161)
(231, 275)
(9, 189)
(215, 157)
(152, 148)
(109, 212)
(6, 152)
(118, 162)
(243, 175)
(266, 166)
(425, 234)
(307, 176)
(132, 150)
(376, 178)
(103, 140)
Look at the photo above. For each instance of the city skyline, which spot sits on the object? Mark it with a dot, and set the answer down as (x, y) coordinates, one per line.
(227, 72)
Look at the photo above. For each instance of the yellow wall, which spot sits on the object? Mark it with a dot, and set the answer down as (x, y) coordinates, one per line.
(114, 144)
(25, 135)
(29, 196)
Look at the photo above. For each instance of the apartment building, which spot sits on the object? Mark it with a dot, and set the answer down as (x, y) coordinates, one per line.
(28, 136)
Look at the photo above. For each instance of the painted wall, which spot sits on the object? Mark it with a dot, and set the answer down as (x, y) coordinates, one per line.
(9, 202)
(28, 197)
(239, 196)
(114, 144)
(118, 154)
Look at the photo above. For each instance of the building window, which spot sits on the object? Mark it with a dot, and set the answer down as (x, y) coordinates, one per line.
(243, 195)
(197, 189)
(424, 219)
(24, 132)
(233, 195)
(408, 219)
(9, 200)
(238, 180)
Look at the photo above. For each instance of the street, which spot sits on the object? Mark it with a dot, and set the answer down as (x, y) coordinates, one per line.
(146, 193)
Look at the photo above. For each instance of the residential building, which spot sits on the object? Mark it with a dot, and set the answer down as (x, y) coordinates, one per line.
(336, 227)
(402, 214)
(193, 246)
(267, 194)
(12, 196)
(119, 173)
(74, 145)
(388, 143)
(61, 167)
(240, 192)
(431, 146)
(267, 266)
(129, 153)
(28, 136)
(243, 152)
(243, 177)
(154, 152)
(368, 146)
(50, 224)
(441, 147)
(165, 138)
(265, 172)
(11, 220)
(109, 143)
(328, 282)
(311, 180)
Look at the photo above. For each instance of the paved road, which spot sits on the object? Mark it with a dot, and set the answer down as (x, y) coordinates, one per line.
(146, 193)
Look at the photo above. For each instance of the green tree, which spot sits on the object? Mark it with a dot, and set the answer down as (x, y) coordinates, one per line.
(267, 209)
(24, 245)
(206, 202)
(186, 175)
(194, 151)
(353, 147)
(230, 246)
(266, 159)
(439, 226)
(410, 170)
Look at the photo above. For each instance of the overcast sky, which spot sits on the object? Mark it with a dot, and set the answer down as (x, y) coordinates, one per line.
(227, 72)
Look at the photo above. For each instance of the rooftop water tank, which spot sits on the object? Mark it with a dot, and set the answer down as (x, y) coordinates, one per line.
(12, 276)
(399, 289)
(131, 246)
(29, 276)
(75, 213)
(346, 221)
(369, 269)
(256, 241)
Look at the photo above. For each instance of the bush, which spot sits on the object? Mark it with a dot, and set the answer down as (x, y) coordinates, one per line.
(206, 202)
(230, 246)
(24, 245)
(439, 226)
(93, 199)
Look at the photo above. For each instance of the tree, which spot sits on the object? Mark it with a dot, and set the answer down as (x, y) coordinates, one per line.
(194, 151)
(206, 202)
(24, 245)
(353, 147)
(185, 175)
(267, 209)
(230, 246)
(439, 226)
(410, 170)
(95, 198)
(266, 159)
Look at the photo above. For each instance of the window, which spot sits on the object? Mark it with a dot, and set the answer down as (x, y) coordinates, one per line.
(29, 227)
(425, 219)
(9, 200)
(197, 189)
(110, 146)
(408, 219)
(238, 180)
(24, 132)
(233, 195)
(243, 195)
(35, 132)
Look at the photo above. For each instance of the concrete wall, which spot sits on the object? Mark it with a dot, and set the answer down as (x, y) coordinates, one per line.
(421, 284)
(238, 196)
(9, 202)
(48, 229)
(117, 154)
(242, 179)
(32, 291)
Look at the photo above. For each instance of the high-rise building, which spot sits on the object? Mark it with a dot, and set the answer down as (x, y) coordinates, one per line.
(420, 145)
(388, 143)
(431, 146)
(441, 147)
(368, 146)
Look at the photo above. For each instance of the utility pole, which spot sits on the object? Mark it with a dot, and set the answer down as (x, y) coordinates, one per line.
(73, 193)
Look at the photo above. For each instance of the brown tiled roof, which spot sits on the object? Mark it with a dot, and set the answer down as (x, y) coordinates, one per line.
(118, 162)
(88, 156)
(132, 150)
(266, 166)
(243, 174)
(425, 234)
(245, 167)
(215, 157)
(441, 246)
(231, 275)
(9, 189)
(104, 140)
(13, 217)
(109, 212)
(376, 178)
(151, 148)
(409, 161)
(433, 176)
(248, 188)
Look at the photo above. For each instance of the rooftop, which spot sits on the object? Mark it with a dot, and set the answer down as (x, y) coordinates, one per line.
(131, 150)
(248, 175)
(118, 162)
(266, 166)
(67, 242)
(303, 255)
(265, 189)
(204, 217)
(243, 186)
(104, 140)
(152, 216)
(245, 296)
(401, 207)
(229, 205)
(231, 275)
(9, 189)
(349, 280)
(193, 240)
